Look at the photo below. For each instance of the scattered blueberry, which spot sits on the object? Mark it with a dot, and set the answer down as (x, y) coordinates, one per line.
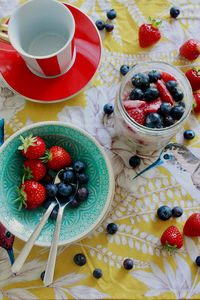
(164, 212)
(64, 189)
(177, 112)
(108, 108)
(168, 121)
(134, 161)
(100, 24)
(174, 12)
(54, 213)
(153, 120)
(128, 264)
(82, 193)
(124, 69)
(198, 261)
(189, 134)
(154, 75)
(109, 27)
(177, 211)
(181, 103)
(51, 190)
(68, 176)
(171, 85)
(79, 166)
(112, 228)
(136, 94)
(165, 108)
(83, 178)
(141, 81)
(80, 259)
(42, 275)
(177, 95)
(73, 202)
(97, 273)
(151, 93)
(111, 14)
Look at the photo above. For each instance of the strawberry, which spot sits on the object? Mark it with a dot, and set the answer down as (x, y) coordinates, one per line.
(190, 49)
(167, 77)
(138, 115)
(32, 147)
(193, 75)
(196, 105)
(153, 106)
(164, 93)
(171, 239)
(34, 169)
(149, 34)
(31, 194)
(192, 225)
(57, 158)
(132, 104)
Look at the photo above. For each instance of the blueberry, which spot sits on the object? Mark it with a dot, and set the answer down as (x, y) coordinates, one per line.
(128, 264)
(68, 176)
(177, 95)
(189, 134)
(79, 166)
(171, 85)
(51, 190)
(141, 81)
(108, 108)
(42, 275)
(100, 24)
(83, 178)
(198, 261)
(109, 27)
(151, 93)
(124, 69)
(134, 161)
(111, 14)
(64, 190)
(168, 121)
(164, 212)
(165, 108)
(47, 202)
(97, 273)
(181, 103)
(80, 259)
(112, 228)
(174, 12)
(136, 94)
(54, 213)
(82, 193)
(153, 120)
(73, 202)
(177, 211)
(177, 112)
(154, 75)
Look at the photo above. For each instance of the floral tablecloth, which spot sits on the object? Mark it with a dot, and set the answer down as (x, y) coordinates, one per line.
(156, 274)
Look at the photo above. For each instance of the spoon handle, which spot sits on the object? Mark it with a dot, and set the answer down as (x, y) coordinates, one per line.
(28, 246)
(48, 277)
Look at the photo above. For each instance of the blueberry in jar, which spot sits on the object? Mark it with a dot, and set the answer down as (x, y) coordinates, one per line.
(171, 85)
(124, 69)
(168, 121)
(154, 76)
(153, 120)
(141, 81)
(177, 95)
(165, 108)
(136, 94)
(151, 93)
(177, 112)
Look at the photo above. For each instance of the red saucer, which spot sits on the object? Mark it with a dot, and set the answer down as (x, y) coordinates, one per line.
(49, 90)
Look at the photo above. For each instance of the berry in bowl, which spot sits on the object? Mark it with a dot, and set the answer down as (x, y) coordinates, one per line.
(32, 159)
(153, 102)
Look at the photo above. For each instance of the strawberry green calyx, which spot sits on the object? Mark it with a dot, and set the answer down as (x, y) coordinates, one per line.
(169, 247)
(47, 156)
(26, 142)
(22, 197)
(155, 23)
(197, 70)
(27, 174)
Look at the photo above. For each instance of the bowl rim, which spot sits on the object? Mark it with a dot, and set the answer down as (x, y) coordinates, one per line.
(111, 187)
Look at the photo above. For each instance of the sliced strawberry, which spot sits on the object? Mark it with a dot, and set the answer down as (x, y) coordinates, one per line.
(167, 77)
(153, 106)
(131, 104)
(164, 93)
(138, 115)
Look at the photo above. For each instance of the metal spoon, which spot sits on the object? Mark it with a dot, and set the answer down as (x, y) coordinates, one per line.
(48, 277)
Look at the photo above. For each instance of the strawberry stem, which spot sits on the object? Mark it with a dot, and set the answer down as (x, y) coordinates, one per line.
(27, 174)
(47, 156)
(169, 247)
(26, 142)
(155, 23)
(22, 197)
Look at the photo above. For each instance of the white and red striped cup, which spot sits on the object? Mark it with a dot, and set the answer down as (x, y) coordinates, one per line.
(42, 32)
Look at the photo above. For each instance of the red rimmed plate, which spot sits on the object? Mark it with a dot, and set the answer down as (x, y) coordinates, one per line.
(50, 90)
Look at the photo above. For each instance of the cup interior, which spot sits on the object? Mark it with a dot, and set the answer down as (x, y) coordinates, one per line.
(41, 28)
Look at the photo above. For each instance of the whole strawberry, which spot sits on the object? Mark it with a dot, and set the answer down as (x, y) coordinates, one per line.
(193, 75)
(149, 34)
(57, 158)
(190, 49)
(31, 194)
(171, 239)
(192, 225)
(32, 147)
(196, 105)
(34, 169)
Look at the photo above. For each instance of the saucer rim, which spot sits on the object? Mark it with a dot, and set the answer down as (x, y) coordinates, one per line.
(79, 91)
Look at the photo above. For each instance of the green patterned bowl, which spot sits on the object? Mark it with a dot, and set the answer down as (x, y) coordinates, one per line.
(77, 223)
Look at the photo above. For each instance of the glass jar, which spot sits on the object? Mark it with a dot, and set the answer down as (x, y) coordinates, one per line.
(144, 140)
